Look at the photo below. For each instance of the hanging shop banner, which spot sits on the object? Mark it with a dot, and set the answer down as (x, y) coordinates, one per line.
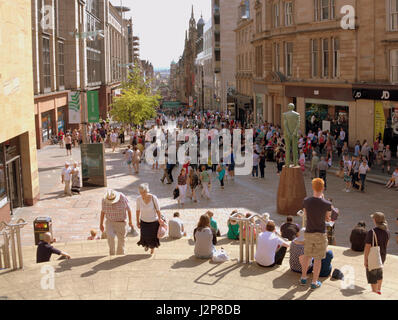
(74, 107)
(380, 120)
(92, 107)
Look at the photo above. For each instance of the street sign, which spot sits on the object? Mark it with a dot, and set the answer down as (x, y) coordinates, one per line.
(92, 106)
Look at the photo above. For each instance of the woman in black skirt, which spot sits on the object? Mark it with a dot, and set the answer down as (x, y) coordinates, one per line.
(148, 218)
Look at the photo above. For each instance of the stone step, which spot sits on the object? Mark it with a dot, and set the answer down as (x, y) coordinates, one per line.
(174, 273)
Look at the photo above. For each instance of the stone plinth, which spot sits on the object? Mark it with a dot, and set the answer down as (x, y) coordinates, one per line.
(291, 191)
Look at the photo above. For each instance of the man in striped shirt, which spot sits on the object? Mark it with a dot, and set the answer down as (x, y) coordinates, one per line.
(114, 207)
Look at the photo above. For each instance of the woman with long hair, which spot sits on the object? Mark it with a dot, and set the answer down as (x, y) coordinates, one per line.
(182, 186)
(205, 238)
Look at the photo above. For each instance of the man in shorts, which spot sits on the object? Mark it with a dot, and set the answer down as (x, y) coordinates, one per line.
(317, 210)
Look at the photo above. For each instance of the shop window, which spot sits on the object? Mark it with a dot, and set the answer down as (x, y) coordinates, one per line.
(46, 126)
(314, 58)
(288, 13)
(394, 66)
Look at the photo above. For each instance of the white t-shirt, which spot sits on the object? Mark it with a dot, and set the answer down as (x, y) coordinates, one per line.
(66, 172)
(342, 135)
(113, 137)
(175, 228)
(147, 211)
(363, 169)
(256, 159)
(267, 245)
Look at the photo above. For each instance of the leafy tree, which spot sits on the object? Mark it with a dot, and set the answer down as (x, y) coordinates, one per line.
(136, 103)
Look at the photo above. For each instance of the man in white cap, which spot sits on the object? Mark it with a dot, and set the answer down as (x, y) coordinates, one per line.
(66, 177)
(114, 207)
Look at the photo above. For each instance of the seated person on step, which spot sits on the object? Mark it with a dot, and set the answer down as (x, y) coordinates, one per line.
(176, 227)
(205, 238)
(45, 249)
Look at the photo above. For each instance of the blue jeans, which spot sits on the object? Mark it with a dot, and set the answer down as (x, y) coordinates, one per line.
(255, 170)
(363, 178)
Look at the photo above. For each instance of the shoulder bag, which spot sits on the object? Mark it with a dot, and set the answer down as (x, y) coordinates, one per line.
(162, 230)
(374, 258)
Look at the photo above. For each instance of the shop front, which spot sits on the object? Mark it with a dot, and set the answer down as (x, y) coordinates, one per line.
(46, 126)
(11, 187)
(61, 115)
(329, 116)
(385, 100)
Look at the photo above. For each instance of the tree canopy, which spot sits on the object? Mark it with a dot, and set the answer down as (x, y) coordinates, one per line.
(136, 103)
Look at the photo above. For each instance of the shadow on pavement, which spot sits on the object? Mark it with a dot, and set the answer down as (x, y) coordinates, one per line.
(286, 280)
(224, 241)
(351, 253)
(218, 275)
(254, 270)
(115, 263)
(352, 292)
(191, 262)
(67, 265)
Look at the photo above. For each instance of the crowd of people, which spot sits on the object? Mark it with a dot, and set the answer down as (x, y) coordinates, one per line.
(308, 244)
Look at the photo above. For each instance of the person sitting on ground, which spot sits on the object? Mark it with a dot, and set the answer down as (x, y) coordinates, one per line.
(45, 249)
(358, 236)
(204, 238)
(289, 229)
(213, 224)
(93, 235)
(271, 248)
(297, 253)
(233, 228)
(393, 182)
(326, 264)
(176, 227)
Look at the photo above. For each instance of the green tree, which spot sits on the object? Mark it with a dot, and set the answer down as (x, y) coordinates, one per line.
(136, 103)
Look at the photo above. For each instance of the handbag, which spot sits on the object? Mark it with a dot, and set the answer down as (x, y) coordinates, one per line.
(374, 258)
(162, 230)
(176, 193)
(220, 256)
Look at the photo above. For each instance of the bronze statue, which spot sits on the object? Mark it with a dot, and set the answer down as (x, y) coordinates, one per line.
(291, 121)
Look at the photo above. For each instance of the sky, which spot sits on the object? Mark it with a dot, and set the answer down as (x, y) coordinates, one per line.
(161, 26)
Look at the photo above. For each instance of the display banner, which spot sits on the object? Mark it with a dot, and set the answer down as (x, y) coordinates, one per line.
(92, 106)
(74, 107)
(380, 120)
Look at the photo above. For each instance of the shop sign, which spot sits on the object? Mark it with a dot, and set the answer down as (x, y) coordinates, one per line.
(380, 120)
(375, 94)
(325, 125)
(74, 107)
(93, 106)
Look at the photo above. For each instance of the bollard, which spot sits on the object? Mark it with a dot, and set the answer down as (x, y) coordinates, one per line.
(240, 241)
(247, 241)
(13, 249)
(6, 253)
(19, 247)
(252, 232)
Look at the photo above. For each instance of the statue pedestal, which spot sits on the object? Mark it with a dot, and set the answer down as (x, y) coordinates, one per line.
(291, 191)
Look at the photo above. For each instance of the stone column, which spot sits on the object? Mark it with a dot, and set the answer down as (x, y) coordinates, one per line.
(270, 109)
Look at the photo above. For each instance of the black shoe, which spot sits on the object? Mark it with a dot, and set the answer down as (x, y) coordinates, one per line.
(162, 180)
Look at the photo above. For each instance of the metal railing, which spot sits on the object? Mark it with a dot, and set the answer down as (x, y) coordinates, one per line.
(250, 227)
(11, 237)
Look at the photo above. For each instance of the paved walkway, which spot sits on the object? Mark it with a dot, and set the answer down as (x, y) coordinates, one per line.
(73, 217)
(173, 273)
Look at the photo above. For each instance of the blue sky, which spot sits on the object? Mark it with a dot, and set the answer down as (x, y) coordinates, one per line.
(161, 26)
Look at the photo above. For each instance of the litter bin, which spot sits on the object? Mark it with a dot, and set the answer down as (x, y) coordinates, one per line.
(41, 226)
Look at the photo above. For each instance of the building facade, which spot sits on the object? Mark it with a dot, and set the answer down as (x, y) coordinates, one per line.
(49, 41)
(19, 178)
(338, 77)
(244, 62)
(224, 24)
